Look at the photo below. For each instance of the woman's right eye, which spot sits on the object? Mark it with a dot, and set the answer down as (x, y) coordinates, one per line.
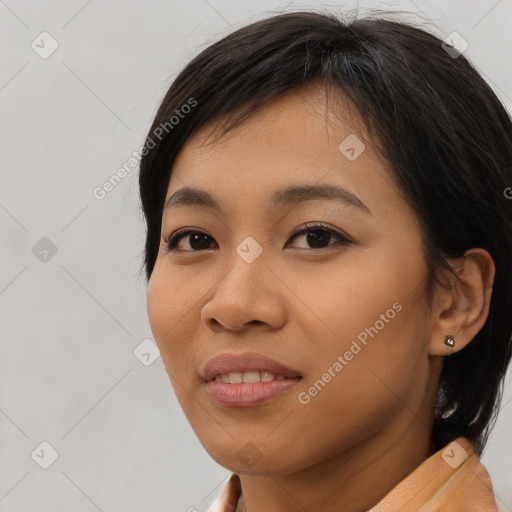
(196, 240)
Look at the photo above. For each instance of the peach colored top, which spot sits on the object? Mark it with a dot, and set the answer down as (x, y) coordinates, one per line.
(451, 480)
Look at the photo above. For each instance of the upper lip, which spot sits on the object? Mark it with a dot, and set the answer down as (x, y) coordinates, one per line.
(247, 362)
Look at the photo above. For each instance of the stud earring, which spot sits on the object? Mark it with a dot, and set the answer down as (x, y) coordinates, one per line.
(449, 341)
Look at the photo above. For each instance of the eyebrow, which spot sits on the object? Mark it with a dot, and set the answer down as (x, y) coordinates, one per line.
(188, 196)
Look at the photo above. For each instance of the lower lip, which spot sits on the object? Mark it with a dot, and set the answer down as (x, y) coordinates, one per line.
(248, 394)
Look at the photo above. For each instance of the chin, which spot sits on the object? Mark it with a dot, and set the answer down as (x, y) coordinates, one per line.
(247, 459)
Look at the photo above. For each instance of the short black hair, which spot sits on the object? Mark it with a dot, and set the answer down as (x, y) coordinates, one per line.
(444, 131)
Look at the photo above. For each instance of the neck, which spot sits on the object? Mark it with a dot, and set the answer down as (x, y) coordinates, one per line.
(353, 480)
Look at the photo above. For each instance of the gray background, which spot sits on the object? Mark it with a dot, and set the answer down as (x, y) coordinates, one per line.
(72, 320)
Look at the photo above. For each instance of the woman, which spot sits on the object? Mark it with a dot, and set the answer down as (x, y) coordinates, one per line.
(329, 238)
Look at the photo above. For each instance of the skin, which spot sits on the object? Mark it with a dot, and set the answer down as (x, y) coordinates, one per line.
(370, 426)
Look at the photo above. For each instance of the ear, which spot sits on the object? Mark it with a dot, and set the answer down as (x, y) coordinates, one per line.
(461, 308)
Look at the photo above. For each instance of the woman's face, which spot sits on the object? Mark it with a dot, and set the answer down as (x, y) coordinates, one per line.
(350, 318)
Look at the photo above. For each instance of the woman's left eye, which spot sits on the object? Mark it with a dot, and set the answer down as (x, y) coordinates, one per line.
(318, 236)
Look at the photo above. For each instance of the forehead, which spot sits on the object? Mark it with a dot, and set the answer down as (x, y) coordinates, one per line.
(298, 121)
(297, 138)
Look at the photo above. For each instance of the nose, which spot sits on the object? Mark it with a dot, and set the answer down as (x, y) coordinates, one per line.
(246, 295)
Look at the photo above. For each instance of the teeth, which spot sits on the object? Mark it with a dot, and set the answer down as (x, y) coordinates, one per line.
(267, 377)
(249, 377)
(235, 378)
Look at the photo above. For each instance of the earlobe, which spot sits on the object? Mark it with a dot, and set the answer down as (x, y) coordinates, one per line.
(462, 308)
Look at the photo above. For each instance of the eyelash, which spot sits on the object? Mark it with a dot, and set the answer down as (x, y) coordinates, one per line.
(173, 238)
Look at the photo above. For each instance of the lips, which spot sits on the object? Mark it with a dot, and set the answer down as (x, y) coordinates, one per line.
(248, 362)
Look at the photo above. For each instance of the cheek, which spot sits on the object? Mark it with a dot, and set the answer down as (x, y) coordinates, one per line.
(168, 308)
(159, 306)
(373, 316)
(344, 402)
